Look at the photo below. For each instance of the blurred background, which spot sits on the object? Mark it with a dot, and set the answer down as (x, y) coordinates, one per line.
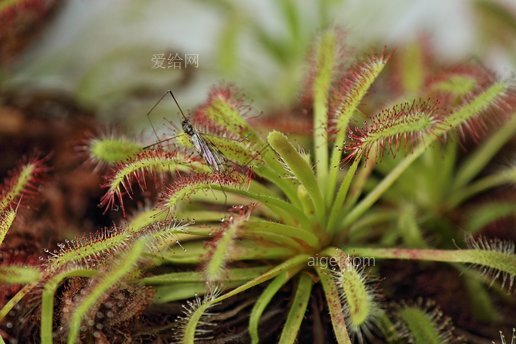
(118, 57)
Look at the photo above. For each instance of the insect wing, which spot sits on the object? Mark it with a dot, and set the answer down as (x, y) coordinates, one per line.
(208, 153)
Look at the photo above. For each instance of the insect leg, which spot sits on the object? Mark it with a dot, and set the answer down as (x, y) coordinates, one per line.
(161, 141)
(259, 153)
(152, 109)
(177, 103)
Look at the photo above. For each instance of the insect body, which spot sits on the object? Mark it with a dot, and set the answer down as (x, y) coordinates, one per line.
(205, 149)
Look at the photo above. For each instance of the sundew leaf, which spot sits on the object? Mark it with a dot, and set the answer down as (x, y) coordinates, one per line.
(423, 323)
(352, 87)
(325, 62)
(262, 302)
(47, 299)
(147, 163)
(6, 221)
(476, 107)
(299, 167)
(222, 115)
(230, 149)
(495, 258)
(185, 186)
(16, 274)
(103, 284)
(293, 264)
(361, 308)
(345, 98)
(472, 109)
(113, 150)
(457, 85)
(358, 298)
(399, 126)
(297, 310)
(23, 181)
(456, 82)
(221, 246)
(240, 152)
(333, 300)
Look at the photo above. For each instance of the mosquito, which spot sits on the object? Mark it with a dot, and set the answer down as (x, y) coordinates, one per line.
(213, 158)
(204, 148)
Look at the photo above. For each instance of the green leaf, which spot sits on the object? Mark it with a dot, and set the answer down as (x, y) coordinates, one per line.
(223, 247)
(182, 291)
(262, 302)
(23, 178)
(291, 17)
(482, 215)
(307, 239)
(6, 221)
(496, 258)
(227, 47)
(335, 306)
(474, 108)
(16, 274)
(409, 228)
(149, 162)
(236, 274)
(47, 300)
(106, 282)
(113, 150)
(296, 262)
(422, 329)
(413, 67)
(357, 81)
(325, 62)
(505, 176)
(484, 153)
(297, 310)
(299, 167)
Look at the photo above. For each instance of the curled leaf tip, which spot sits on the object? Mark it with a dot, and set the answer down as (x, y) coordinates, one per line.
(399, 126)
(149, 163)
(496, 258)
(422, 322)
(23, 182)
(352, 87)
(184, 186)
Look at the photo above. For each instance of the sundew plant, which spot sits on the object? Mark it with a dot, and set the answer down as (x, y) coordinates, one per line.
(374, 178)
